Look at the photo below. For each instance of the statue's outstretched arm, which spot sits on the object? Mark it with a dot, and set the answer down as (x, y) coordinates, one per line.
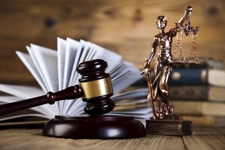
(186, 16)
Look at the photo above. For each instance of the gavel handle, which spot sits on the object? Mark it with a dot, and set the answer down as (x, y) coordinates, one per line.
(69, 93)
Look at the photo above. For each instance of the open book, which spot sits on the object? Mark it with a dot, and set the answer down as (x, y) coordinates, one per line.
(56, 70)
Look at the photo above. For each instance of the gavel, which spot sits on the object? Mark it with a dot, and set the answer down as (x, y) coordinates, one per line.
(95, 89)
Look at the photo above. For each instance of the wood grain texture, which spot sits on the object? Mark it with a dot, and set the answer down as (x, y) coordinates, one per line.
(125, 27)
(202, 138)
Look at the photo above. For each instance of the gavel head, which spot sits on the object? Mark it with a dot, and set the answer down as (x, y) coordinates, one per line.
(96, 86)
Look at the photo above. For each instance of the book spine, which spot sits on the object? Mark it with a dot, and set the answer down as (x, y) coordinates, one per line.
(205, 121)
(198, 108)
(190, 92)
(205, 62)
(189, 76)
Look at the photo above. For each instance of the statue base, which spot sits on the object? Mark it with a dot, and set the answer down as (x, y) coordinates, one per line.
(170, 126)
(94, 127)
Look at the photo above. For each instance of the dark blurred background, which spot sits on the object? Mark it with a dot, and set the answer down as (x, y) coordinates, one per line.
(126, 27)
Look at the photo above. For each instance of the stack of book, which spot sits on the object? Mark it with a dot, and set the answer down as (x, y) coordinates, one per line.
(198, 92)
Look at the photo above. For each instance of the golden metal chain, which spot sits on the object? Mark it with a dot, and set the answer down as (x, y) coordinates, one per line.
(179, 46)
(193, 49)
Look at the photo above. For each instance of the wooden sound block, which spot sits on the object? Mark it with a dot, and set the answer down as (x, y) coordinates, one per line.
(169, 127)
(94, 127)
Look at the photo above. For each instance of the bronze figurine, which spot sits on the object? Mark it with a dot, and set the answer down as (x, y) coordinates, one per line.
(158, 85)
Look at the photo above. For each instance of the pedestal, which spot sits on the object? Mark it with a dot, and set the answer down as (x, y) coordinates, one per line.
(169, 127)
(94, 127)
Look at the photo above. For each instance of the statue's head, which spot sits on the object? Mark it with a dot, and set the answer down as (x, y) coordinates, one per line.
(161, 22)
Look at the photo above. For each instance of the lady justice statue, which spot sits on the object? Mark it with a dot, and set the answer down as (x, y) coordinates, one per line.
(158, 88)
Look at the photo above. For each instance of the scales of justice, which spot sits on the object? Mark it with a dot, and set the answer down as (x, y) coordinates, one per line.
(163, 120)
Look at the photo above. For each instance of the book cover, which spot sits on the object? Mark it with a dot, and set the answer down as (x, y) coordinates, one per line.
(204, 62)
(197, 76)
(197, 92)
(198, 108)
(205, 120)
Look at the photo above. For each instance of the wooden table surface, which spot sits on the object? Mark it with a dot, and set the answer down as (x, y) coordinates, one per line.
(25, 139)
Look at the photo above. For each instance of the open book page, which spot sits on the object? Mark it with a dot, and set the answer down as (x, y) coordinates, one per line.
(61, 49)
(135, 94)
(44, 67)
(23, 92)
(82, 51)
(133, 103)
(70, 55)
(125, 79)
(110, 57)
(47, 61)
(28, 62)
